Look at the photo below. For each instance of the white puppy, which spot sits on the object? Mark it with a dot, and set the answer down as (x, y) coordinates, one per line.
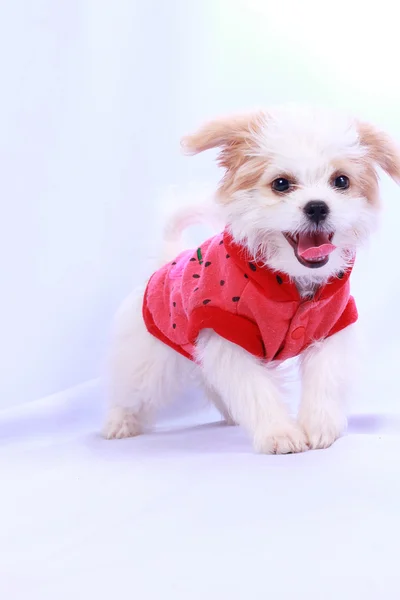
(299, 195)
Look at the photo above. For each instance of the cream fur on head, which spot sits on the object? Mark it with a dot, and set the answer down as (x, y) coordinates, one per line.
(300, 193)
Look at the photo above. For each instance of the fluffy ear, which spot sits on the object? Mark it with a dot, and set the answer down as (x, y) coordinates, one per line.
(220, 132)
(381, 149)
(232, 134)
(238, 138)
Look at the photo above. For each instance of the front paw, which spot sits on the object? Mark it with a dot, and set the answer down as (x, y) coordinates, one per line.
(281, 439)
(323, 430)
(121, 423)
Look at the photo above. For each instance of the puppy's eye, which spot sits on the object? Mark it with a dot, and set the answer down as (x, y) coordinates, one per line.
(281, 185)
(342, 182)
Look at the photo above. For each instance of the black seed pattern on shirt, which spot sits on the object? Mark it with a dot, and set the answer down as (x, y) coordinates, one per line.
(207, 264)
(222, 282)
(221, 242)
(192, 259)
(252, 267)
(235, 298)
(174, 325)
(174, 304)
(174, 263)
(227, 256)
(206, 301)
(246, 276)
(195, 276)
(279, 279)
(195, 289)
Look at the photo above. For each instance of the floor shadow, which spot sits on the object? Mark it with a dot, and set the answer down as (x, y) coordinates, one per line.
(205, 438)
(372, 424)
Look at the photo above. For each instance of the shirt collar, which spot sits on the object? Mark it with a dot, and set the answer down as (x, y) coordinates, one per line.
(276, 284)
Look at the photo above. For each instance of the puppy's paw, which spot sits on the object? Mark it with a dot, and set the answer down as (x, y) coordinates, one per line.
(283, 439)
(121, 423)
(321, 432)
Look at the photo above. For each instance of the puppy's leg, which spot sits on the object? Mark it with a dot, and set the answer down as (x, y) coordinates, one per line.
(145, 374)
(219, 404)
(327, 368)
(251, 394)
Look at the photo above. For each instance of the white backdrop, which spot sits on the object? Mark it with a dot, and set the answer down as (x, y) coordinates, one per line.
(94, 98)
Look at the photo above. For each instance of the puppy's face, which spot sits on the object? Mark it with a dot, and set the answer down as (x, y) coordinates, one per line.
(300, 188)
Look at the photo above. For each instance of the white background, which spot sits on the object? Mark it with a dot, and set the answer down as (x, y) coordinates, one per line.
(94, 98)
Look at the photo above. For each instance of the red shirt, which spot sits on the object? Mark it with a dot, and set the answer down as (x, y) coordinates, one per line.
(219, 286)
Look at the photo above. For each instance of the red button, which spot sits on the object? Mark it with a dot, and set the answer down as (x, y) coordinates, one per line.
(298, 333)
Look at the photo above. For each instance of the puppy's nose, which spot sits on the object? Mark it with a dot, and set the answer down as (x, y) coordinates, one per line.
(317, 211)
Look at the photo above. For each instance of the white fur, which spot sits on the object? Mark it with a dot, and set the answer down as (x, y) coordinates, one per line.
(251, 393)
(145, 373)
(328, 368)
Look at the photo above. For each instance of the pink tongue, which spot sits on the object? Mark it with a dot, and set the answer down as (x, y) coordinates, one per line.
(314, 245)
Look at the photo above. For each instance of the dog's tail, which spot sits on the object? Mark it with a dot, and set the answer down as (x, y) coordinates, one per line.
(200, 213)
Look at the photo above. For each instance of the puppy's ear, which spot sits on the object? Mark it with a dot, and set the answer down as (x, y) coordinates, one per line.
(234, 135)
(381, 149)
(238, 138)
(220, 132)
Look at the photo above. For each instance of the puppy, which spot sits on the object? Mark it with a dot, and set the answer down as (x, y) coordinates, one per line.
(299, 195)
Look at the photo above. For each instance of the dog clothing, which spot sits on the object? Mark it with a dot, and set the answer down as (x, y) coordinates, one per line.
(219, 286)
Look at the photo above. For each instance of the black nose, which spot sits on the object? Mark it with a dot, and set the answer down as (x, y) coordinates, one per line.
(316, 211)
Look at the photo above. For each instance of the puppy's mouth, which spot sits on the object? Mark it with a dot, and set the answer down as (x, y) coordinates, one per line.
(312, 249)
